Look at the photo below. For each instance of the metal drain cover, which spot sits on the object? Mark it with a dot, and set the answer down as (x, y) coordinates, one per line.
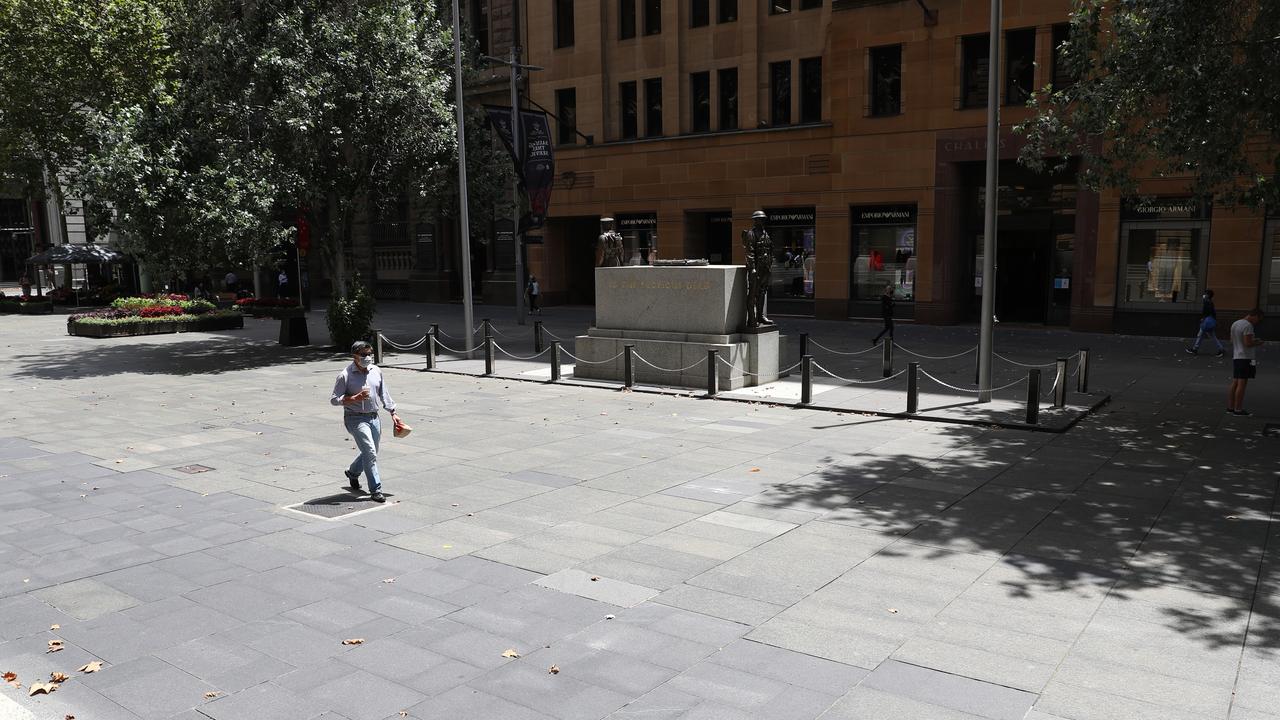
(193, 469)
(335, 506)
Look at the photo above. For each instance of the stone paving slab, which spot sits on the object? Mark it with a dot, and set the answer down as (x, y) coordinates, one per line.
(754, 561)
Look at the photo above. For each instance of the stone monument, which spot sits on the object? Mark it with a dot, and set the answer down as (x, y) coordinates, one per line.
(673, 314)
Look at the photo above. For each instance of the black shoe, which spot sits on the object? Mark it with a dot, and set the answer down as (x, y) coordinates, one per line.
(1241, 413)
(378, 497)
(1193, 351)
(1220, 353)
(353, 481)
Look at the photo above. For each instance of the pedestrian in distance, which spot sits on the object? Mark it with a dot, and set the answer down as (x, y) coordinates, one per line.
(25, 283)
(886, 314)
(359, 389)
(533, 290)
(282, 284)
(1208, 325)
(1244, 362)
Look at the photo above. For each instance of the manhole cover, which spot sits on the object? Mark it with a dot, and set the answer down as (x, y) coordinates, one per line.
(335, 506)
(193, 469)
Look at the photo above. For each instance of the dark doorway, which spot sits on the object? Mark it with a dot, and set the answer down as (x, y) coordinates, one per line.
(720, 238)
(1022, 276)
(578, 242)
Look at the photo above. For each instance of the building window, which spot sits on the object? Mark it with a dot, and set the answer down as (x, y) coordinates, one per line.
(811, 90)
(791, 283)
(626, 19)
(699, 13)
(726, 11)
(567, 115)
(653, 107)
(700, 105)
(1270, 284)
(779, 7)
(727, 80)
(564, 23)
(652, 17)
(810, 4)
(627, 103)
(1164, 247)
(479, 21)
(1019, 66)
(884, 238)
(780, 93)
(975, 52)
(1062, 76)
(886, 80)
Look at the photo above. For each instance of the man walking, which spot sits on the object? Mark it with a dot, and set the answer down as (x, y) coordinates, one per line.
(1208, 325)
(533, 292)
(1244, 363)
(886, 314)
(358, 389)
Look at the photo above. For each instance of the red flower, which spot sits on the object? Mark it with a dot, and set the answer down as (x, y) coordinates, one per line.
(160, 311)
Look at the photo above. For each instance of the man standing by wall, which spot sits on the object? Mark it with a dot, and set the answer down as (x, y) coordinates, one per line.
(1244, 363)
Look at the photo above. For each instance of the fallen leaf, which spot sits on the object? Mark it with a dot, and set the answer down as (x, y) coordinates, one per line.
(388, 580)
(54, 646)
(353, 641)
(595, 578)
(38, 688)
(554, 670)
(893, 610)
(453, 504)
(55, 626)
(11, 678)
(511, 654)
(404, 713)
(58, 677)
(1233, 517)
(754, 470)
(211, 694)
(92, 667)
(608, 617)
(69, 717)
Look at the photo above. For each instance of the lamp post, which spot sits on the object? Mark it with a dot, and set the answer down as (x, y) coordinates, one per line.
(465, 216)
(987, 326)
(514, 64)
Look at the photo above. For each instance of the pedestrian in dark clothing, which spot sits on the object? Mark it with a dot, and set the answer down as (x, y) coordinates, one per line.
(1208, 323)
(886, 314)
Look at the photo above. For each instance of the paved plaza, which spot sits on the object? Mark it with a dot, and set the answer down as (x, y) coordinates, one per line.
(560, 551)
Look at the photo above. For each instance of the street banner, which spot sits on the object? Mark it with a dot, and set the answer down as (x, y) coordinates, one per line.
(536, 172)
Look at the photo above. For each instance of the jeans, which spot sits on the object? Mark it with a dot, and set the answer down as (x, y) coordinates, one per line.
(1204, 333)
(367, 431)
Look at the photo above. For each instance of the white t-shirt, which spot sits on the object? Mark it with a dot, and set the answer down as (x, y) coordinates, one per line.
(1240, 351)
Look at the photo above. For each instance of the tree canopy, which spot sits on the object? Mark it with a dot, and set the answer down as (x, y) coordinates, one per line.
(1167, 88)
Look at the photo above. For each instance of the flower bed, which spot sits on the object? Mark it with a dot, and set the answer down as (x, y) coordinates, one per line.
(153, 315)
(108, 324)
(26, 305)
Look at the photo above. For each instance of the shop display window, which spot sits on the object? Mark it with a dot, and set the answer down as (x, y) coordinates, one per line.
(886, 256)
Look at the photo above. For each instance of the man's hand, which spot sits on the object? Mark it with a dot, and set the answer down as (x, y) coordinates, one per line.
(358, 396)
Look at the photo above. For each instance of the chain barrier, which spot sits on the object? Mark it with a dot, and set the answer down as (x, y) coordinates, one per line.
(1041, 365)
(405, 348)
(552, 335)
(455, 352)
(521, 357)
(640, 357)
(860, 382)
(934, 357)
(975, 391)
(748, 372)
(841, 352)
(590, 362)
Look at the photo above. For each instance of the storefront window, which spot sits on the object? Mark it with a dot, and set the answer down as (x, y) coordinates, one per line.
(639, 237)
(1271, 267)
(794, 259)
(1164, 246)
(884, 239)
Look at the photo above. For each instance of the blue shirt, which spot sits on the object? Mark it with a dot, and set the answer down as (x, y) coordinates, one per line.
(352, 380)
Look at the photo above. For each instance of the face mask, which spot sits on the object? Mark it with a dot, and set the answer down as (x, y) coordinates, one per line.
(364, 361)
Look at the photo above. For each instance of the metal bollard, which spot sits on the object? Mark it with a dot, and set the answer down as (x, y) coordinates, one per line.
(377, 347)
(806, 379)
(1082, 379)
(913, 388)
(555, 361)
(431, 351)
(435, 330)
(488, 356)
(713, 376)
(1033, 396)
(888, 357)
(488, 328)
(628, 366)
(537, 336)
(1060, 384)
(804, 344)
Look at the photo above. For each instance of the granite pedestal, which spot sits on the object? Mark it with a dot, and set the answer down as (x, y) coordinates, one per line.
(673, 315)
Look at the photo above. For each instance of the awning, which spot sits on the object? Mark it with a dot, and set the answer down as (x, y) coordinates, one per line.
(77, 253)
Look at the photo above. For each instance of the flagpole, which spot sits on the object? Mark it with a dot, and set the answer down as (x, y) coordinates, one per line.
(468, 312)
(987, 326)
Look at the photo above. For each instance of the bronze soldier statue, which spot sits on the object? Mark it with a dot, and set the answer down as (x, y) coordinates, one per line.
(609, 245)
(759, 247)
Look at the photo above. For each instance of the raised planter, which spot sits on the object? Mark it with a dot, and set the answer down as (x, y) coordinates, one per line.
(274, 313)
(38, 307)
(196, 324)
